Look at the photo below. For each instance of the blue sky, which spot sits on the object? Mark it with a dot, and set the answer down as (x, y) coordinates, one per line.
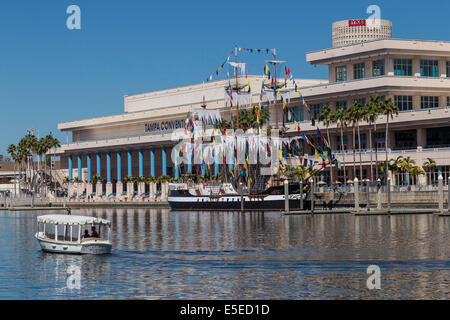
(49, 74)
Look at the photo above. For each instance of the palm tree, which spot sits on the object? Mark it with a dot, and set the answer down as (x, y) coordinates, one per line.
(326, 117)
(12, 150)
(371, 113)
(416, 171)
(352, 114)
(248, 118)
(358, 112)
(340, 118)
(389, 109)
(429, 166)
(51, 143)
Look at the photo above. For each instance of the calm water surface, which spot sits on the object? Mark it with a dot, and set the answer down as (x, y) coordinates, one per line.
(159, 254)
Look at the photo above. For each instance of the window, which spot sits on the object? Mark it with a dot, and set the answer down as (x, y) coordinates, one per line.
(341, 176)
(364, 175)
(406, 139)
(361, 101)
(429, 102)
(295, 113)
(338, 142)
(448, 101)
(378, 68)
(429, 68)
(403, 102)
(359, 70)
(316, 109)
(448, 69)
(438, 137)
(380, 140)
(363, 141)
(341, 104)
(402, 67)
(341, 73)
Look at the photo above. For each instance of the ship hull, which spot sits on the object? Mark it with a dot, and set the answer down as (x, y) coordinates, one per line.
(233, 203)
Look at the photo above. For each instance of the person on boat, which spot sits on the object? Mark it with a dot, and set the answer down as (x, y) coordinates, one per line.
(94, 232)
(86, 234)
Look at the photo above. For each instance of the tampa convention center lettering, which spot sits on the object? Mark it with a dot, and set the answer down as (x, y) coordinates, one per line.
(164, 125)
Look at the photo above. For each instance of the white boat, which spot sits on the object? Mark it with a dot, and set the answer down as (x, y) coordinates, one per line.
(63, 234)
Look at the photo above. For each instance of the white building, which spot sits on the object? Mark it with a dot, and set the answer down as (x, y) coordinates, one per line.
(359, 30)
(415, 74)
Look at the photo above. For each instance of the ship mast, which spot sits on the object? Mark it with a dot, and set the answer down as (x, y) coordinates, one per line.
(275, 87)
(237, 86)
(274, 62)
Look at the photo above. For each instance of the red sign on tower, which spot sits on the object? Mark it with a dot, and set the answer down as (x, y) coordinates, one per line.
(357, 23)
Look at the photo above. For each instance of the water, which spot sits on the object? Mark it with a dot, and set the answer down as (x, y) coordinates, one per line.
(179, 255)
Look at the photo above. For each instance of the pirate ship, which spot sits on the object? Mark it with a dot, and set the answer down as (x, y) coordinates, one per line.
(250, 168)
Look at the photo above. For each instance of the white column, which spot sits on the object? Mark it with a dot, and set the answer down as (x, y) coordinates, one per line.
(286, 196)
(99, 189)
(356, 193)
(441, 193)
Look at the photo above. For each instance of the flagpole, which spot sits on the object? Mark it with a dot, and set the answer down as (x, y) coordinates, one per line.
(238, 167)
(274, 53)
(237, 87)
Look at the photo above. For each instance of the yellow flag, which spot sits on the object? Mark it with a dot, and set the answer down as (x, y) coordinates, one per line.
(316, 155)
(280, 153)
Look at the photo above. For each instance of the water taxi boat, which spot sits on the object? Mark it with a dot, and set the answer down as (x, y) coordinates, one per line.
(63, 234)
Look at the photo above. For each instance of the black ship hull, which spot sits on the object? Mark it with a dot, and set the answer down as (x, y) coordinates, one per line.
(271, 200)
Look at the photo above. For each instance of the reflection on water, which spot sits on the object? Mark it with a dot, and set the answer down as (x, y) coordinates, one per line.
(159, 254)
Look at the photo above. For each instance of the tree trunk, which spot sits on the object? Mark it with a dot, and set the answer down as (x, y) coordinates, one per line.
(331, 164)
(360, 157)
(15, 181)
(376, 151)
(386, 146)
(354, 153)
(371, 158)
(343, 157)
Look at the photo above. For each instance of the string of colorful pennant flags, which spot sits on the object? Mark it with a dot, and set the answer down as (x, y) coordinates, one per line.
(250, 50)
(272, 95)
